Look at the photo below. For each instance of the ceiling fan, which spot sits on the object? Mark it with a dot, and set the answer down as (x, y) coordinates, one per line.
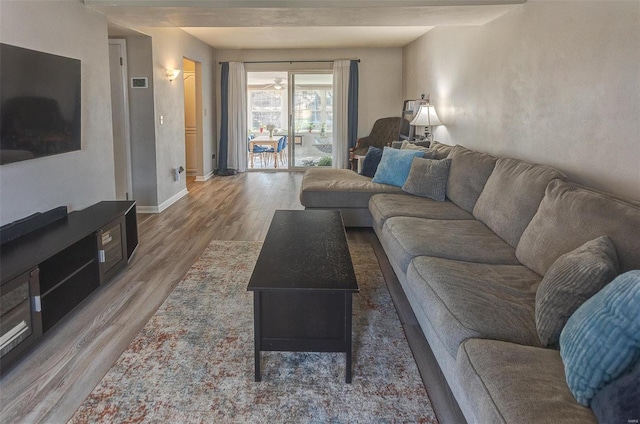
(277, 84)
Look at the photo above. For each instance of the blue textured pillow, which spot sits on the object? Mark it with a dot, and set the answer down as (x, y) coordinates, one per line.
(619, 402)
(371, 162)
(395, 165)
(601, 340)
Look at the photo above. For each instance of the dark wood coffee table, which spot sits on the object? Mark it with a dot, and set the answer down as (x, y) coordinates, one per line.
(302, 286)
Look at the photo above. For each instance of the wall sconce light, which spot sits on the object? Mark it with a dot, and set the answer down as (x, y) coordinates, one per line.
(427, 118)
(173, 74)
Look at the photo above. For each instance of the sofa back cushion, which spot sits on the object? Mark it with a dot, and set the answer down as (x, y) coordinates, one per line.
(511, 197)
(468, 174)
(442, 150)
(569, 216)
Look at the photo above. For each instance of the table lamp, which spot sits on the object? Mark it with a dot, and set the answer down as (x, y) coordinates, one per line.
(426, 117)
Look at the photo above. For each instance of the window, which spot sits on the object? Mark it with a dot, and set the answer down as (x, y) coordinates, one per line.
(313, 108)
(266, 107)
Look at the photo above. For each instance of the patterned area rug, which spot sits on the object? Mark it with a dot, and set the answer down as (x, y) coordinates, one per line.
(193, 361)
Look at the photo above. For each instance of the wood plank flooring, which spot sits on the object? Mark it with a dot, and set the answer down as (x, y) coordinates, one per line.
(49, 384)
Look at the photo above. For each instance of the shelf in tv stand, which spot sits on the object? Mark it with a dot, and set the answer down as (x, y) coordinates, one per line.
(73, 257)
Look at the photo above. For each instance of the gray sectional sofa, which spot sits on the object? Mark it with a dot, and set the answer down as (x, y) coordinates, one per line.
(470, 267)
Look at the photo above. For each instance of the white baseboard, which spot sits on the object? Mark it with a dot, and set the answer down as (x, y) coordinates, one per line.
(164, 205)
(147, 209)
(206, 177)
(170, 201)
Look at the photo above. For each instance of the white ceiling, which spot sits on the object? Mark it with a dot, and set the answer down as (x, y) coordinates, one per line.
(309, 37)
(286, 24)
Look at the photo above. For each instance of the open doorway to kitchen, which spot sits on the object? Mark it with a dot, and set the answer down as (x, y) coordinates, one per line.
(194, 114)
(290, 119)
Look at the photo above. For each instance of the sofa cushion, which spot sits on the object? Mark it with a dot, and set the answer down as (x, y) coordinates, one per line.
(568, 216)
(601, 340)
(428, 153)
(384, 206)
(468, 174)
(442, 150)
(618, 401)
(395, 165)
(339, 188)
(572, 279)
(511, 197)
(428, 178)
(464, 300)
(371, 162)
(464, 240)
(510, 383)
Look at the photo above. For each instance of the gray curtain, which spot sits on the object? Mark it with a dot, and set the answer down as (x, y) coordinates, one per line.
(232, 150)
(341, 114)
(223, 147)
(353, 104)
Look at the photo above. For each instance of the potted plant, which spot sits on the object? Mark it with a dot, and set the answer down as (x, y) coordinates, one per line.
(271, 128)
(311, 126)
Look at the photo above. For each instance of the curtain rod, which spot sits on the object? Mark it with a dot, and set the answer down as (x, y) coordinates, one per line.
(290, 61)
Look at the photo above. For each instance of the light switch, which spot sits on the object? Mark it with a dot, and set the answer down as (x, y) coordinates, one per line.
(161, 120)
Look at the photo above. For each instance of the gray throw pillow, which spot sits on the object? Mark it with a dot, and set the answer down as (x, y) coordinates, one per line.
(428, 178)
(572, 279)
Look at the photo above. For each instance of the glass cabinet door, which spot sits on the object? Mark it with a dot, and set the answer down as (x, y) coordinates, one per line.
(111, 248)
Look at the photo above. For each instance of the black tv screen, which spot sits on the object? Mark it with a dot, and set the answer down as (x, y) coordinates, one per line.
(39, 104)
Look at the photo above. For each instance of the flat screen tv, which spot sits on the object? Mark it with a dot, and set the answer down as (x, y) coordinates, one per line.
(39, 104)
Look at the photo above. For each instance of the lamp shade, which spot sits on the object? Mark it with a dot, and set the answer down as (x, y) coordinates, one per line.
(426, 117)
(173, 74)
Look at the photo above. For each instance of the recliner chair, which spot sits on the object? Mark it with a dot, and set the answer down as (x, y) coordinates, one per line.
(384, 131)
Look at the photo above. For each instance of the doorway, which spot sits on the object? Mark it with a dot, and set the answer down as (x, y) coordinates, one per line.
(120, 119)
(190, 117)
(290, 119)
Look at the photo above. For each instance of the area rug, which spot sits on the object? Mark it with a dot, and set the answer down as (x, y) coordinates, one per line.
(193, 361)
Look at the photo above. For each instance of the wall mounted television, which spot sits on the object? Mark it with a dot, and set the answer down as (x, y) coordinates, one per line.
(40, 110)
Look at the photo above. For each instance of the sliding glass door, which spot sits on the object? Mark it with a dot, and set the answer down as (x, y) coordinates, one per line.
(290, 119)
(311, 118)
(267, 120)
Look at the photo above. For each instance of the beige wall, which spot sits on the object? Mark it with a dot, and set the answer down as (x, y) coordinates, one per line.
(142, 122)
(170, 45)
(554, 82)
(380, 75)
(77, 179)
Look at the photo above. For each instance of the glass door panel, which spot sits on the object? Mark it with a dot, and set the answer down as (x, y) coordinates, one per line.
(267, 112)
(311, 119)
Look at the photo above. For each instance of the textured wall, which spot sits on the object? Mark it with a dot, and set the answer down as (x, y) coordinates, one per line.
(77, 179)
(142, 122)
(554, 82)
(170, 45)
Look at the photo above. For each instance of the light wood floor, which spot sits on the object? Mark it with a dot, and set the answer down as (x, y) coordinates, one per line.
(49, 384)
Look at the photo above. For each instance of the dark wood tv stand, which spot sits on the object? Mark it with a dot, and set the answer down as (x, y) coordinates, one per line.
(46, 273)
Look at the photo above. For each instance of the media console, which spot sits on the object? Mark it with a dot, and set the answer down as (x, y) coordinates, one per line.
(48, 271)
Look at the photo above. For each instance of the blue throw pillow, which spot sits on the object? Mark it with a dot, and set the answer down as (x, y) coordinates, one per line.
(371, 162)
(395, 166)
(601, 340)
